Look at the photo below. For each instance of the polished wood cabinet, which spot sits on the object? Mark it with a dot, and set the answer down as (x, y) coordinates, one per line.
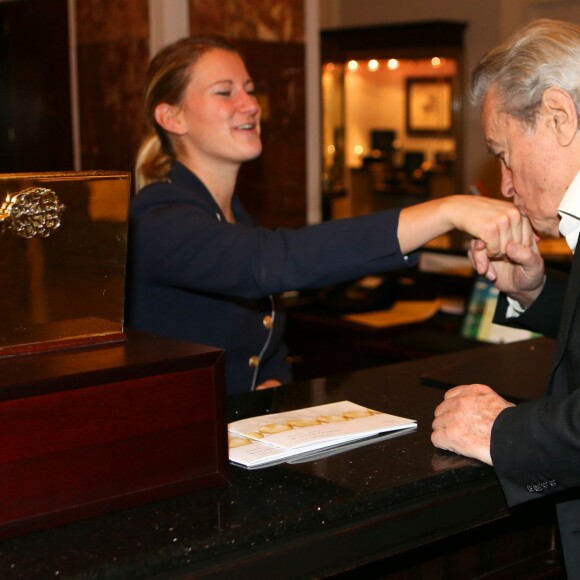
(88, 430)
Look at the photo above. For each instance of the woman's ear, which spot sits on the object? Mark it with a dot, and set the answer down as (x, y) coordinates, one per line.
(169, 117)
(563, 117)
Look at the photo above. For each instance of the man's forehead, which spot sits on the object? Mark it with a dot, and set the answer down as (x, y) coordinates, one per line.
(490, 120)
(490, 103)
(492, 146)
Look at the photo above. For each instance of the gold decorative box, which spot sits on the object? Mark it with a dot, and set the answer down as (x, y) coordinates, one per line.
(63, 238)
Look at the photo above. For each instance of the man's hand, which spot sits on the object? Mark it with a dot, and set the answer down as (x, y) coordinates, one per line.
(464, 419)
(520, 273)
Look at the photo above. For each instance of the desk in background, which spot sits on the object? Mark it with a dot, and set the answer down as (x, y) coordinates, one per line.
(322, 341)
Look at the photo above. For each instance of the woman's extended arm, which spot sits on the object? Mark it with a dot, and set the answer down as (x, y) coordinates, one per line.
(493, 221)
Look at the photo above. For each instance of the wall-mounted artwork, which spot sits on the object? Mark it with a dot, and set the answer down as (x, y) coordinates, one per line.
(429, 106)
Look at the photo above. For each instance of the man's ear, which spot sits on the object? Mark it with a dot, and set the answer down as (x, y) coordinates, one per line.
(562, 114)
(170, 118)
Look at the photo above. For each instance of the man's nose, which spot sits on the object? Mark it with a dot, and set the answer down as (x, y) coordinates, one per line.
(507, 186)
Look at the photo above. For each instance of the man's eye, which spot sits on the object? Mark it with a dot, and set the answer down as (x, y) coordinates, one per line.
(503, 161)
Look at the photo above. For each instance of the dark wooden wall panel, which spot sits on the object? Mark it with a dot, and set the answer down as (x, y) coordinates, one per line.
(274, 186)
(113, 53)
(35, 123)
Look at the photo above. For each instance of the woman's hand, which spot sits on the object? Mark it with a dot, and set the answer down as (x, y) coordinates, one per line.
(495, 222)
(268, 384)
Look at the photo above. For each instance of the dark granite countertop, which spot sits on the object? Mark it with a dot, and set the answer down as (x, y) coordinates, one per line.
(286, 511)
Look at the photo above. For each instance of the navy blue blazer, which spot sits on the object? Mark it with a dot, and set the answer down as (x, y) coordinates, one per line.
(535, 447)
(194, 276)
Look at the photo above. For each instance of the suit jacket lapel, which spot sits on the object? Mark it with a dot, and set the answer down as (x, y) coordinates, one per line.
(570, 303)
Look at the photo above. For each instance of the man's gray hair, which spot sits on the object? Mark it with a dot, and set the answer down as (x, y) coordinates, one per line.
(543, 54)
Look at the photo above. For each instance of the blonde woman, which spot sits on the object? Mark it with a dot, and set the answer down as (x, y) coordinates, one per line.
(201, 268)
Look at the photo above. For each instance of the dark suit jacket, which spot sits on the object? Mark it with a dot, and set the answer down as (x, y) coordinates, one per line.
(535, 447)
(194, 276)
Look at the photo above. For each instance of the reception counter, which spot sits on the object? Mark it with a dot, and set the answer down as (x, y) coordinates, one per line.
(393, 508)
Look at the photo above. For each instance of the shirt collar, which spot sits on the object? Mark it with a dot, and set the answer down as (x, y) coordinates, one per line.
(569, 211)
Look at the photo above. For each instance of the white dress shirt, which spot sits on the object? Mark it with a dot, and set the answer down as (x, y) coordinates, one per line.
(569, 212)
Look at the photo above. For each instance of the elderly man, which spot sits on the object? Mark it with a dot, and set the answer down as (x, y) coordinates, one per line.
(529, 93)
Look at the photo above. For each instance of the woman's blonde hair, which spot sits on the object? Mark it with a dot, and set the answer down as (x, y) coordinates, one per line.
(167, 78)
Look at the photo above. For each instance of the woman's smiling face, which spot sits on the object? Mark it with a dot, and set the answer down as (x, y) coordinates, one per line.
(219, 114)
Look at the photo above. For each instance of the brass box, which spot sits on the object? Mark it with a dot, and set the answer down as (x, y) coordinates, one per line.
(63, 238)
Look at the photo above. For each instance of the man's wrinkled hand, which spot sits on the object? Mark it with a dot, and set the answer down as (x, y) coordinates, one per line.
(520, 273)
(463, 421)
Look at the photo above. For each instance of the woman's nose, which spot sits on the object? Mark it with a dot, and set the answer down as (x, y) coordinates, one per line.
(249, 104)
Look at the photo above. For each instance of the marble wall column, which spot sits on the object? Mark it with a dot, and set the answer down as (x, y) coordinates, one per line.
(113, 53)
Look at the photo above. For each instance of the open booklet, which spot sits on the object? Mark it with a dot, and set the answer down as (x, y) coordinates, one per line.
(309, 433)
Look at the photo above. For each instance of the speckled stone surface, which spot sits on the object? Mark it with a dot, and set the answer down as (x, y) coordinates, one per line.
(270, 507)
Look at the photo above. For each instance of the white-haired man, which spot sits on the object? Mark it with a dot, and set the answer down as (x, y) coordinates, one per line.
(529, 93)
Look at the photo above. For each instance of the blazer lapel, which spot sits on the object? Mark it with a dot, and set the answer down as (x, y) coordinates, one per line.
(570, 303)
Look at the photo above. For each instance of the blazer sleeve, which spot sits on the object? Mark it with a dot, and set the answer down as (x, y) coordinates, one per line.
(184, 246)
(544, 314)
(535, 447)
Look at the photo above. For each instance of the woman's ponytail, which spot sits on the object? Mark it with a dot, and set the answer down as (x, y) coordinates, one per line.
(153, 162)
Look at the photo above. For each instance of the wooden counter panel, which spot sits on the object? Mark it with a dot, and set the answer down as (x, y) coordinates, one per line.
(77, 452)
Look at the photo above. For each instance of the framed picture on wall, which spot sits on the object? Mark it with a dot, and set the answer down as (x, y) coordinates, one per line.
(429, 106)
